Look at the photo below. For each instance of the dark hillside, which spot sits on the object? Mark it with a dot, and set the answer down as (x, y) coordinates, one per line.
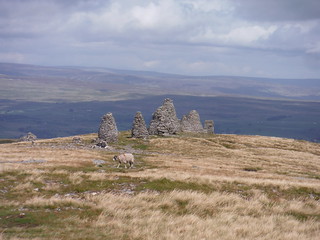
(75, 84)
(291, 119)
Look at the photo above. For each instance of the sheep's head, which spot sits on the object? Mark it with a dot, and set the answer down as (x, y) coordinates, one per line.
(115, 158)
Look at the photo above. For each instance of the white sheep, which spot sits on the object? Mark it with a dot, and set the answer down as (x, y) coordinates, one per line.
(124, 158)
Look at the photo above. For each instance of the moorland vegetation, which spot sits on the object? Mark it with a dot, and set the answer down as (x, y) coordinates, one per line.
(187, 186)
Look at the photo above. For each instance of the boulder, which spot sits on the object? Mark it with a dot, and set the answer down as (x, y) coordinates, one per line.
(139, 128)
(164, 120)
(191, 123)
(108, 129)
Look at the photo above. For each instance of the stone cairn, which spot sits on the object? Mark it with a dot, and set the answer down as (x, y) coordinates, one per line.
(108, 131)
(29, 137)
(191, 123)
(164, 120)
(139, 128)
(209, 126)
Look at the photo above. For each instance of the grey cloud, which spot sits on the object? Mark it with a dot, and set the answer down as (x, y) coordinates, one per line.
(278, 10)
(185, 36)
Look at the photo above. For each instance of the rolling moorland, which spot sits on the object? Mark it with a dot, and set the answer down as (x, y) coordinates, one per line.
(189, 186)
(186, 186)
(65, 101)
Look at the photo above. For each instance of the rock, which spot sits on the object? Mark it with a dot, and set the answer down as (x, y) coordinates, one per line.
(191, 123)
(98, 163)
(30, 137)
(108, 129)
(139, 128)
(209, 126)
(77, 140)
(164, 120)
(101, 143)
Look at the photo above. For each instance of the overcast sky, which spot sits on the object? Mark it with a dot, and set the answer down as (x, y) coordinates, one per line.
(265, 38)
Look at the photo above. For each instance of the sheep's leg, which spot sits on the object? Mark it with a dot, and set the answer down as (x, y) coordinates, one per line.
(125, 165)
(118, 165)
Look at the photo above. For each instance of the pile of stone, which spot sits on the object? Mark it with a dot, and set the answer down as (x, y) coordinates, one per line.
(191, 122)
(108, 131)
(29, 137)
(139, 127)
(209, 126)
(164, 122)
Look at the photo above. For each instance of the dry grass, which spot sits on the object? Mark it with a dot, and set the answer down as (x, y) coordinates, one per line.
(183, 187)
(191, 215)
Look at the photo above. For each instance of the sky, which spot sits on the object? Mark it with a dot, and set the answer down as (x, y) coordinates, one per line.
(258, 38)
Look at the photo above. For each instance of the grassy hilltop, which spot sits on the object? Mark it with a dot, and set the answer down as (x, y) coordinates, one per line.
(182, 187)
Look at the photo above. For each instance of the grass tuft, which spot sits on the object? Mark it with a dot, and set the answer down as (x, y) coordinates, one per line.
(252, 169)
(166, 185)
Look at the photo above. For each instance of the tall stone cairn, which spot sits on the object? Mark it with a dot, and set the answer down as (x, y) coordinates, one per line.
(209, 126)
(191, 123)
(108, 129)
(139, 128)
(164, 120)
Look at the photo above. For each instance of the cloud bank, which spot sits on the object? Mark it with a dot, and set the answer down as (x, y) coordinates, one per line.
(275, 38)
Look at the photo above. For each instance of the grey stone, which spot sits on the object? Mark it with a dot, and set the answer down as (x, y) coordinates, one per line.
(191, 123)
(99, 162)
(139, 128)
(101, 143)
(29, 137)
(164, 120)
(209, 126)
(77, 140)
(108, 129)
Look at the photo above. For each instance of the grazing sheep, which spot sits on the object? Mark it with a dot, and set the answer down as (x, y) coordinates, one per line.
(124, 158)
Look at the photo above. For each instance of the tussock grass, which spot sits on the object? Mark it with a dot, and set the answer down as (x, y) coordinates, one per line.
(191, 215)
(190, 186)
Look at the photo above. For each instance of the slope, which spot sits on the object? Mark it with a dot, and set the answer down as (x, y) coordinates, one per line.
(182, 187)
(60, 84)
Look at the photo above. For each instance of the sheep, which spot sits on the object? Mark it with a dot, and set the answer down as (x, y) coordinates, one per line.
(124, 158)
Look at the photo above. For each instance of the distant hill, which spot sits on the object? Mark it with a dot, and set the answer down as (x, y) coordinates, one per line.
(232, 115)
(52, 84)
(64, 101)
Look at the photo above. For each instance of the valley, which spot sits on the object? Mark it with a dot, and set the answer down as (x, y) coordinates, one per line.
(64, 101)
